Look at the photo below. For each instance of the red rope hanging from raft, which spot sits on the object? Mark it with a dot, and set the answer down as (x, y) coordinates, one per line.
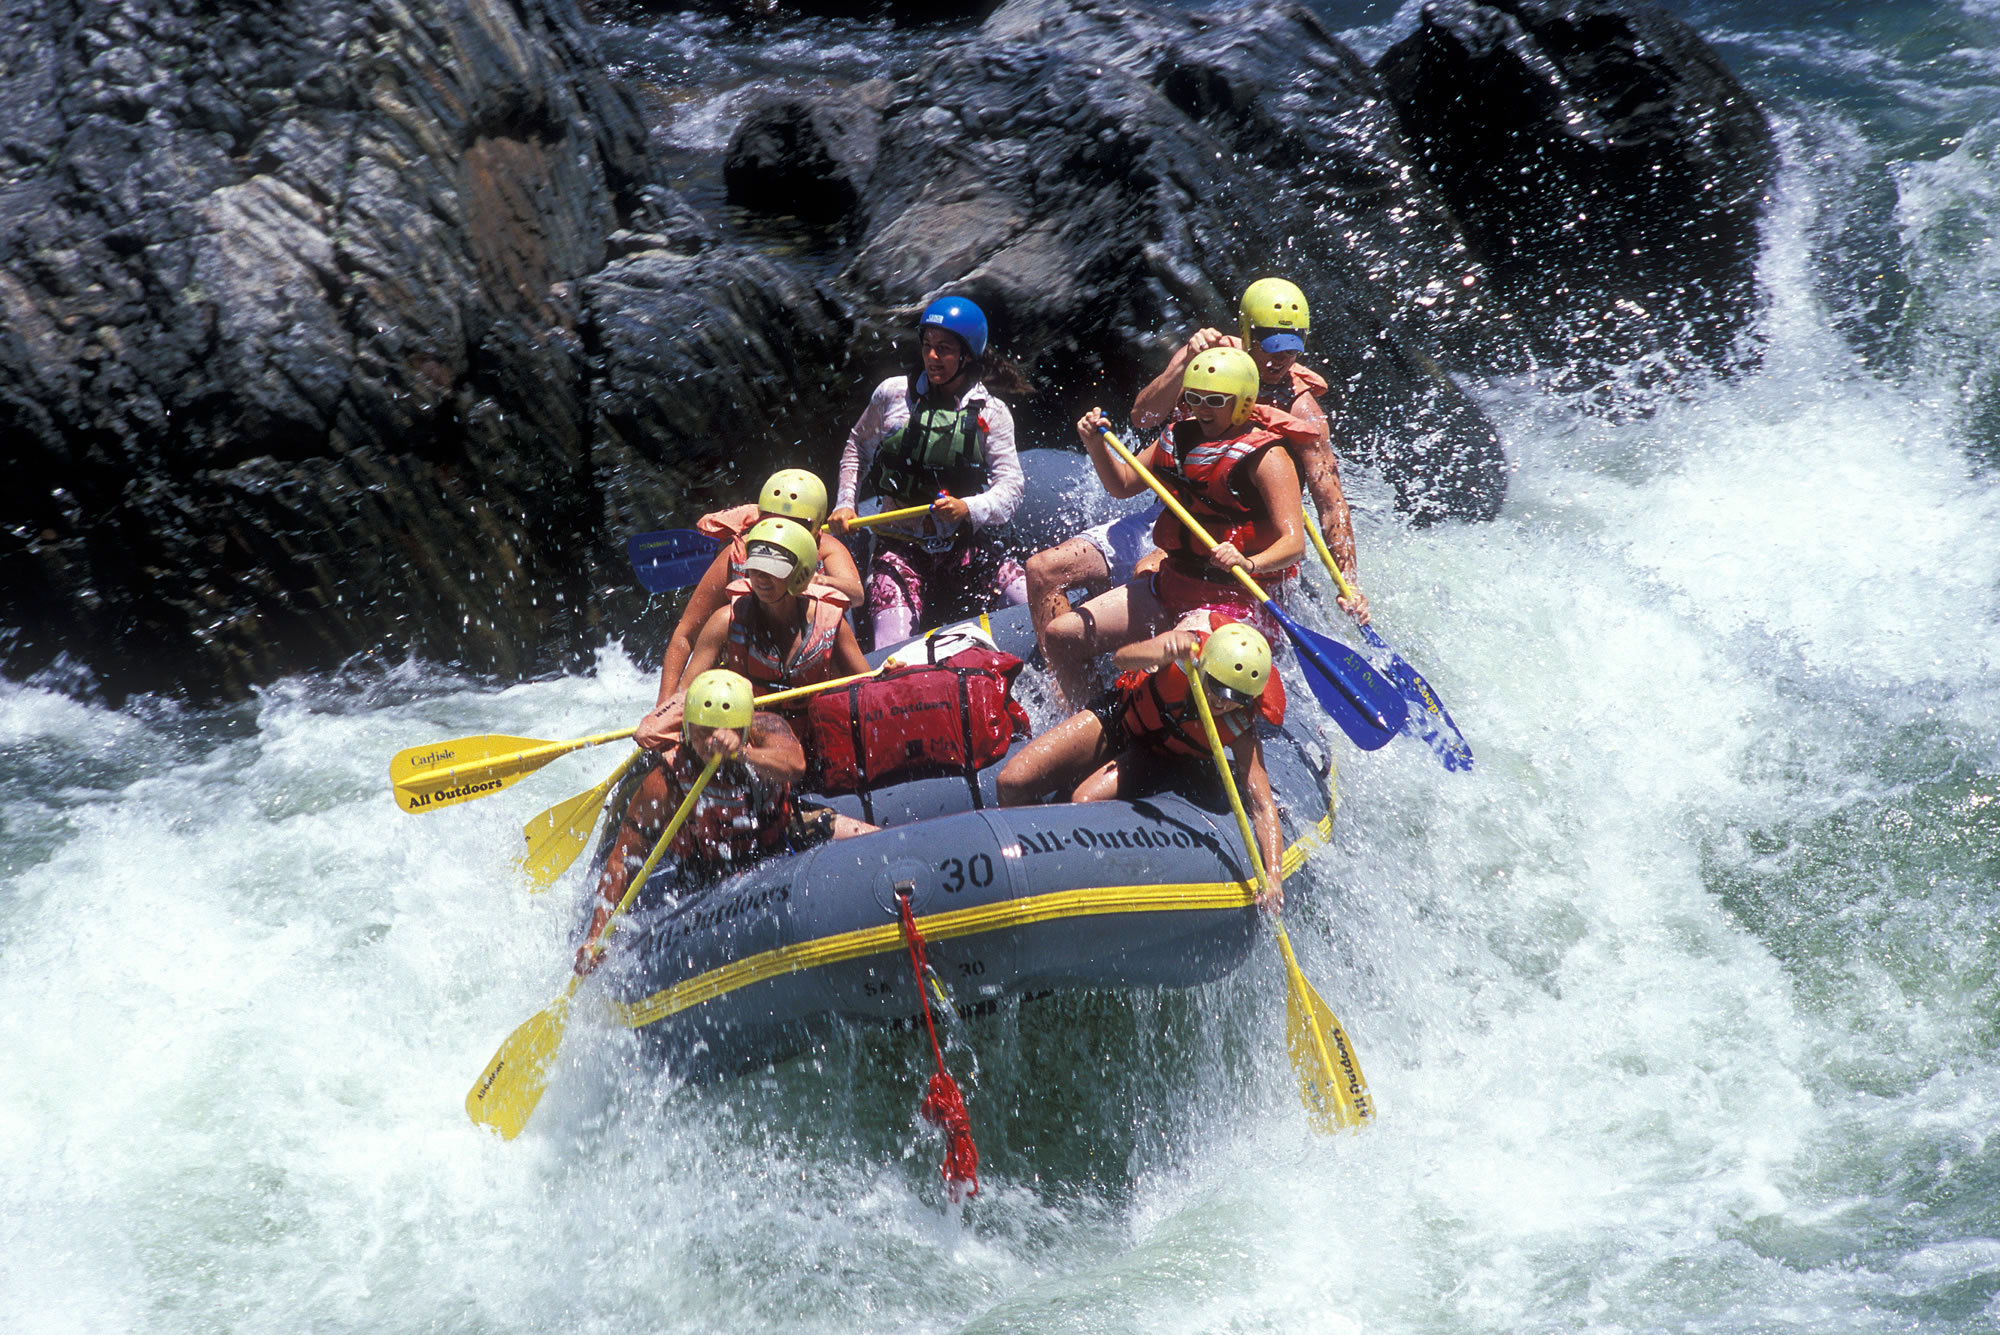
(943, 1105)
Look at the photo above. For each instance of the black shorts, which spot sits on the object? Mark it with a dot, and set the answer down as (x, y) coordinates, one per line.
(1109, 706)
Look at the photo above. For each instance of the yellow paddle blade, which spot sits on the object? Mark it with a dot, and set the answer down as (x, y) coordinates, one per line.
(1331, 1086)
(557, 837)
(505, 1095)
(444, 774)
(451, 787)
(421, 764)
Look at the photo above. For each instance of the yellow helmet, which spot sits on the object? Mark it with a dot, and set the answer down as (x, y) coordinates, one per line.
(1237, 660)
(718, 698)
(795, 494)
(782, 547)
(1273, 303)
(1226, 371)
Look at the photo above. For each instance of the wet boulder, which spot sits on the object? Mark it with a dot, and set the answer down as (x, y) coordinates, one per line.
(808, 157)
(714, 369)
(1044, 169)
(1607, 167)
(291, 356)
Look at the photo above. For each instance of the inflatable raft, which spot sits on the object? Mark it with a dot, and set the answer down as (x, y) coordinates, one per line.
(1013, 902)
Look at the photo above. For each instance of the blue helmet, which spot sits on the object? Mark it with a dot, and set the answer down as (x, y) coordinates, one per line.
(961, 317)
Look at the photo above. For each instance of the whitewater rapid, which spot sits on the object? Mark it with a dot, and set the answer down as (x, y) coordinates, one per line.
(1679, 1009)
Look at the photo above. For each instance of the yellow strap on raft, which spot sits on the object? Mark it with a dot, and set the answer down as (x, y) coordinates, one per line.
(885, 939)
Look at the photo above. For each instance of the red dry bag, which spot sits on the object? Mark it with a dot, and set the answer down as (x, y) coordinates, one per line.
(924, 722)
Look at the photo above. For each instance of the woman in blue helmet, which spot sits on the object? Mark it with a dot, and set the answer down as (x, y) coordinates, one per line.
(939, 437)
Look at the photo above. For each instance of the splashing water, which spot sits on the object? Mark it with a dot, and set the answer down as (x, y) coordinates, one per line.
(1679, 1009)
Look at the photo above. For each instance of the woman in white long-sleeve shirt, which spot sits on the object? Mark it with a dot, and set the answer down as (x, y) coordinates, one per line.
(941, 438)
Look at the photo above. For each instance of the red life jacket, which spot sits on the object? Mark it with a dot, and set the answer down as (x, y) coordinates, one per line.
(738, 520)
(1159, 714)
(956, 717)
(1300, 381)
(740, 816)
(1213, 480)
(754, 654)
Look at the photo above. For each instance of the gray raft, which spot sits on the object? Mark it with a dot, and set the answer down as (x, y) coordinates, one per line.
(1015, 902)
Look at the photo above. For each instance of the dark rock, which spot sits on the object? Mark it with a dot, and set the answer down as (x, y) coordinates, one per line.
(1605, 164)
(289, 353)
(1057, 183)
(715, 369)
(904, 13)
(807, 157)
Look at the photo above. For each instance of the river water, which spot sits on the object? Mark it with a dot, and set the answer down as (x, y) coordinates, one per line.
(1680, 1009)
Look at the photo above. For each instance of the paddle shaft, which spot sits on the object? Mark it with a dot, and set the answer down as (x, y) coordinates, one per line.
(1340, 582)
(1371, 713)
(659, 849)
(1294, 976)
(505, 1095)
(514, 764)
(888, 516)
(1180, 512)
(1200, 692)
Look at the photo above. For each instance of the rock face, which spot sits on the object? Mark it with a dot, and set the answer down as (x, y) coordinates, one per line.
(368, 327)
(1110, 179)
(1606, 165)
(809, 157)
(292, 362)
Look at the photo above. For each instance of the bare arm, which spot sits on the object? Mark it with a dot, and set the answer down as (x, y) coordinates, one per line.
(1277, 483)
(773, 750)
(710, 593)
(1006, 484)
(837, 568)
(1322, 474)
(847, 656)
(1145, 655)
(659, 728)
(1155, 403)
(1119, 478)
(1248, 753)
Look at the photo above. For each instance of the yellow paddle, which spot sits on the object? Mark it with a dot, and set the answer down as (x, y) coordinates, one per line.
(1331, 1085)
(558, 835)
(888, 516)
(505, 1095)
(444, 774)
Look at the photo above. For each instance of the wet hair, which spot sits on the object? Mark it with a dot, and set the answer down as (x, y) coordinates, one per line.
(997, 371)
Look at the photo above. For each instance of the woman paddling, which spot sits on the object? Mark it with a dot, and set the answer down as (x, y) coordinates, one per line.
(1144, 734)
(1273, 321)
(1220, 462)
(777, 632)
(793, 494)
(941, 439)
(744, 814)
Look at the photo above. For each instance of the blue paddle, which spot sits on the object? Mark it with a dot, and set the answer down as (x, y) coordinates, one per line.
(1428, 719)
(670, 559)
(1367, 709)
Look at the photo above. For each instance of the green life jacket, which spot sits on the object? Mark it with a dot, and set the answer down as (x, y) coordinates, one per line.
(939, 449)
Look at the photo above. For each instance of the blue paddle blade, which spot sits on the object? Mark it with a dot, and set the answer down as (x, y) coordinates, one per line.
(670, 559)
(1428, 719)
(1367, 708)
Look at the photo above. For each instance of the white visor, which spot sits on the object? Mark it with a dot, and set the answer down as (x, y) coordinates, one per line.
(771, 560)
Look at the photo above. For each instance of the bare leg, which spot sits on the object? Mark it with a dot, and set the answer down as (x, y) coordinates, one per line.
(1051, 573)
(1052, 760)
(1127, 613)
(846, 827)
(1132, 773)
